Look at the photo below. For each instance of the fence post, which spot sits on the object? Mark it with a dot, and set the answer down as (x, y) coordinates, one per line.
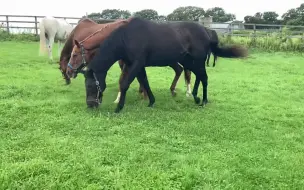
(7, 24)
(36, 26)
(254, 29)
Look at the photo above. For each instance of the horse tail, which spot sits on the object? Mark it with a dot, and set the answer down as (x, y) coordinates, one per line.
(227, 52)
(42, 38)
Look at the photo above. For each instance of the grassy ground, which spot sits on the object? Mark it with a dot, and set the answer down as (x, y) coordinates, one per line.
(250, 136)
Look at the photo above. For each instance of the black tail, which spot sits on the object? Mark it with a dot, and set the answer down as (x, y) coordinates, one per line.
(228, 52)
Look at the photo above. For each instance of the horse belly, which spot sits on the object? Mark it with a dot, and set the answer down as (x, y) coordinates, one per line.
(162, 59)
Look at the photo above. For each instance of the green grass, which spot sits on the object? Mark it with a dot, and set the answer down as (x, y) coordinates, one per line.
(250, 136)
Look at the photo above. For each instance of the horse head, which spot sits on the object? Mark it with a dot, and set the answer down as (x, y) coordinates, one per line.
(80, 56)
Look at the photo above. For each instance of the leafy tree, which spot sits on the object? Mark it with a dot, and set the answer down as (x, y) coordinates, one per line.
(148, 14)
(270, 17)
(115, 14)
(291, 14)
(94, 16)
(188, 13)
(162, 18)
(294, 16)
(219, 15)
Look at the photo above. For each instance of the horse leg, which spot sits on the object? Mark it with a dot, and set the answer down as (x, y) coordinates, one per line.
(143, 79)
(59, 46)
(195, 88)
(50, 47)
(208, 57)
(92, 98)
(124, 71)
(202, 75)
(214, 59)
(187, 74)
(178, 71)
(125, 84)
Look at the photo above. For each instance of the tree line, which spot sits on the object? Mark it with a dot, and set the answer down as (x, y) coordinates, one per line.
(187, 13)
(293, 16)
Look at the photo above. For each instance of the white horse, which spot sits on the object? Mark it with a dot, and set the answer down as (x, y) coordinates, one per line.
(51, 29)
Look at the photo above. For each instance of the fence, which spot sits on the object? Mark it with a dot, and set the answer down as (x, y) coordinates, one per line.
(31, 25)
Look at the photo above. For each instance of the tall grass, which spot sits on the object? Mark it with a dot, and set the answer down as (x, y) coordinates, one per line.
(285, 40)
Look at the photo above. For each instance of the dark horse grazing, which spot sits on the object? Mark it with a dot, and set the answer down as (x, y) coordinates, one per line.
(214, 37)
(142, 43)
(91, 35)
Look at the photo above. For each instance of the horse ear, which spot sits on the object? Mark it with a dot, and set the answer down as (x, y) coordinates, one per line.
(77, 43)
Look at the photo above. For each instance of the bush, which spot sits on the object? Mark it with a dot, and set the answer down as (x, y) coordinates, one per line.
(5, 36)
(270, 42)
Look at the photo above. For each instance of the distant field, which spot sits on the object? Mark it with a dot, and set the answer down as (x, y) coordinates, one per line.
(250, 135)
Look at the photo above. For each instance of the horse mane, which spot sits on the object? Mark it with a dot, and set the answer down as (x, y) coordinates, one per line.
(118, 21)
(68, 46)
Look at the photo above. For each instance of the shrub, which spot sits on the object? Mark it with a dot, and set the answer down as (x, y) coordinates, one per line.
(5, 36)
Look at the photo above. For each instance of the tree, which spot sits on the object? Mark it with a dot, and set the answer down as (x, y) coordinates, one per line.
(188, 13)
(162, 18)
(294, 16)
(115, 14)
(148, 14)
(291, 14)
(94, 16)
(270, 17)
(219, 15)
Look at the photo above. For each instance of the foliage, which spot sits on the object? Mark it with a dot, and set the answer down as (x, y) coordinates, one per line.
(270, 42)
(148, 14)
(293, 16)
(188, 13)
(5, 36)
(219, 15)
(250, 136)
(110, 14)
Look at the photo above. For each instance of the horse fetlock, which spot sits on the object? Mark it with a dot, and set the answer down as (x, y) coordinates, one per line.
(197, 100)
(204, 103)
(173, 92)
(118, 108)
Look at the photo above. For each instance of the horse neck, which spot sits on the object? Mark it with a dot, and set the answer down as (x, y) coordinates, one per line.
(104, 31)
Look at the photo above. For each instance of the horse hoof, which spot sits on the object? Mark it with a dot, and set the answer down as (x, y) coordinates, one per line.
(150, 105)
(188, 94)
(118, 109)
(204, 103)
(197, 100)
(116, 101)
(173, 93)
(67, 82)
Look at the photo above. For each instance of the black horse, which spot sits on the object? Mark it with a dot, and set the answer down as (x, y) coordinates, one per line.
(142, 43)
(214, 37)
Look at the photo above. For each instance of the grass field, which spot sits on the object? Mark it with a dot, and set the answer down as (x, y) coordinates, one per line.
(250, 135)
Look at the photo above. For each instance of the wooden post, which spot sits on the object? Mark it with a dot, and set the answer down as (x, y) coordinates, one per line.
(36, 26)
(7, 24)
(254, 29)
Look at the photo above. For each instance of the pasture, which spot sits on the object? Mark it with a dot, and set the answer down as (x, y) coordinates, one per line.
(250, 135)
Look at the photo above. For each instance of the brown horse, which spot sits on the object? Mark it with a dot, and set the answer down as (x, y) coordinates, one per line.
(91, 45)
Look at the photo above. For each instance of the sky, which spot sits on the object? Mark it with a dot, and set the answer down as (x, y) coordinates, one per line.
(79, 8)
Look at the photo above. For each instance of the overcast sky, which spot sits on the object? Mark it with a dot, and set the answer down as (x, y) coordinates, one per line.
(77, 8)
